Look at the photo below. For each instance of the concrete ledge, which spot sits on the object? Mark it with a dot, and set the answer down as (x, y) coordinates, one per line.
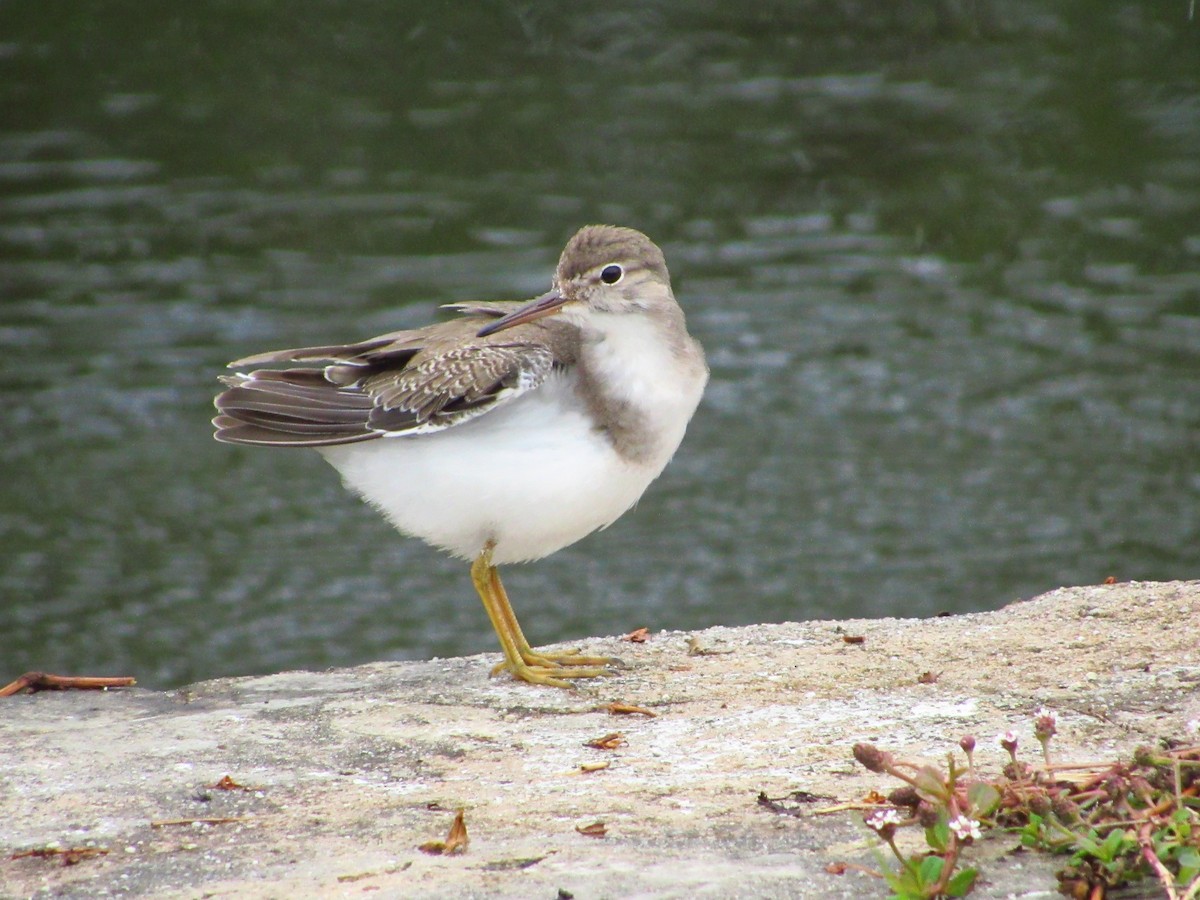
(352, 769)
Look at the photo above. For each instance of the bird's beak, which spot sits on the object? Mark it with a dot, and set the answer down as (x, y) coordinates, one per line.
(546, 305)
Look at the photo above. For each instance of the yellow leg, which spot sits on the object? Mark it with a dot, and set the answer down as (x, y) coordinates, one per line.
(481, 576)
(527, 653)
(519, 658)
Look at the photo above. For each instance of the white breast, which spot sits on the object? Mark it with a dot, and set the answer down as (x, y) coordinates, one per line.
(536, 474)
(634, 365)
(532, 476)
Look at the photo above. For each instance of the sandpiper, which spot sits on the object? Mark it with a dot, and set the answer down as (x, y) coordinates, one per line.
(506, 433)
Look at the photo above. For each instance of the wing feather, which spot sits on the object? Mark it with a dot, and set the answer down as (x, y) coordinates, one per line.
(407, 382)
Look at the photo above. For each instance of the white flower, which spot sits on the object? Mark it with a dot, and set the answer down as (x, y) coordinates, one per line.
(1008, 739)
(965, 829)
(1045, 713)
(880, 820)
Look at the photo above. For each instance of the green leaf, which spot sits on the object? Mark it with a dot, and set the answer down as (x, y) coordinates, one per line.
(1087, 844)
(1188, 858)
(1111, 848)
(961, 884)
(929, 783)
(937, 835)
(931, 869)
(983, 798)
(902, 881)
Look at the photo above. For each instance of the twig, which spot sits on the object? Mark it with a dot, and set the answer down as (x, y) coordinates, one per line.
(70, 856)
(949, 861)
(852, 804)
(44, 681)
(216, 820)
(1167, 879)
(866, 870)
(1064, 767)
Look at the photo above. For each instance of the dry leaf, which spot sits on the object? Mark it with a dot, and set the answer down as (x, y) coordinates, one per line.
(228, 784)
(374, 873)
(874, 797)
(627, 709)
(610, 741)
(509, 865)
(928, 677)
(854, 638)
(593, 767)
(1111, 579)
(456, 841)
(836, 868)
(637, 636)
(596, 829)
(792, 804)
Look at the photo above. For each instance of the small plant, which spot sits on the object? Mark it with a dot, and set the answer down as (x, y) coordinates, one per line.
(1122, 823)
(946, 805)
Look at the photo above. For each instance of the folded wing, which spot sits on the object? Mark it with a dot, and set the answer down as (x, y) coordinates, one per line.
(408, 382)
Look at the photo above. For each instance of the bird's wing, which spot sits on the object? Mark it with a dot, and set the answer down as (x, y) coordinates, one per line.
(407, 382)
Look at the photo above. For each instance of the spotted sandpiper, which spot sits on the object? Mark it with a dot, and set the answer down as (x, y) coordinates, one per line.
(506, 433)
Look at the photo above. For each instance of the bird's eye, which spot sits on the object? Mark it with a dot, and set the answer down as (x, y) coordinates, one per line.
(611, 274)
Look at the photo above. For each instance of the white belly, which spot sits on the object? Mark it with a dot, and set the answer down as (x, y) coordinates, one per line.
(532, 477)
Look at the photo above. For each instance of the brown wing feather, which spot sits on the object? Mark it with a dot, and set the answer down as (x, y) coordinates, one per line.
(412, 382)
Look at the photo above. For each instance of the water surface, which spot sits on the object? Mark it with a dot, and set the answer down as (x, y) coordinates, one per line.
(946, 266)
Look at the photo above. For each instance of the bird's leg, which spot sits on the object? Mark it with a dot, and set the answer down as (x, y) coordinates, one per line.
(537, 670)
(538, 657)
(481, 571)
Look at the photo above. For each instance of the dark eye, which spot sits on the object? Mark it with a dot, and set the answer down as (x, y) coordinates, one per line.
(611, 274)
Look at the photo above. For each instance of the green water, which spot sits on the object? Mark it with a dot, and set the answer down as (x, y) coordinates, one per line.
(945, 260)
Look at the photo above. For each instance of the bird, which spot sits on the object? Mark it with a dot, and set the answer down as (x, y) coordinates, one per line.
(505, 433)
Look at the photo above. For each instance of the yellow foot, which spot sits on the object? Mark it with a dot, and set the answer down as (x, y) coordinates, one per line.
(568, 658)
(553, 675)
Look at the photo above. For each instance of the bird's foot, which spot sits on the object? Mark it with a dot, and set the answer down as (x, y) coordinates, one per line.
(552, 674)
(569, 659)
(566, 659)
(554, 668)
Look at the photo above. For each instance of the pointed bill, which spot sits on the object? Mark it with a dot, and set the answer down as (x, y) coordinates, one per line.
(546, 305)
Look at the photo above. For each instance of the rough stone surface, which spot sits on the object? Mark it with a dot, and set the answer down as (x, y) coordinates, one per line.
(352, 769)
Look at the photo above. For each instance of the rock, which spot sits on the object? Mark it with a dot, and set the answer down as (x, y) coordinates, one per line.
(336, 778)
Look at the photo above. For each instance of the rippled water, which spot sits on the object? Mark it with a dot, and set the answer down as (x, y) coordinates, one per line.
(946, 266)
